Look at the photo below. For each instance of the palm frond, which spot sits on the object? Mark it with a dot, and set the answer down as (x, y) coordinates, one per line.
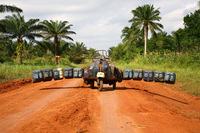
(7, 8)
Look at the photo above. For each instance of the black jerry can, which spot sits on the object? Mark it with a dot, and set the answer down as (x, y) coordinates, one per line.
(170, 77)
(68, 72)
(137, 74)
(159, 76)
(148, 75)
(47, 74)
(37, 76)
(78, 72)
(127, 74)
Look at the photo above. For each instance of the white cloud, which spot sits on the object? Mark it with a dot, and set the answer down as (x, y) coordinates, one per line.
(98, 23)
(173, 19)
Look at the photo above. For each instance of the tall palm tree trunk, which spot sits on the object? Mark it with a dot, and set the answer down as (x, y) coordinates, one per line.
(20, 50)
(48, 51)
(20, 56)
(145, 39)
(56, 46)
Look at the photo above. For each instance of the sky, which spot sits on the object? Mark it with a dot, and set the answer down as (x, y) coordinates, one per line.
(98, 23)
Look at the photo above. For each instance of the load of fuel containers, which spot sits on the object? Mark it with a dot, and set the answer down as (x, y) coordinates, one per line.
(127, 74)
(149, 75)
(56, 74)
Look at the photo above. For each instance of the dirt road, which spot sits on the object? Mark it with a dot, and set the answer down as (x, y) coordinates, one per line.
(69, 105)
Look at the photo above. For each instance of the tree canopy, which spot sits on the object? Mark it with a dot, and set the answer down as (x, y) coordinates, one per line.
(8, 8)
(17, 28)
(56, 30)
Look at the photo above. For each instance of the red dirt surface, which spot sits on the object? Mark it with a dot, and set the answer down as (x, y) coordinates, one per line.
(12, 85)
(69, 105)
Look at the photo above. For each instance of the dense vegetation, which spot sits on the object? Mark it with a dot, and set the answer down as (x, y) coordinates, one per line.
(180, 42)
(34, 38)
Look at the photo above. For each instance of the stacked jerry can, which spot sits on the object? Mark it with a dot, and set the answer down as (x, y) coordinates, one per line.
(47, 74)
(78, 72)
(137, 74)
(148, 75)
(68, 72)
(58, 73)
(127, 74)
(170, 77)
(37, 76)
(159, 76)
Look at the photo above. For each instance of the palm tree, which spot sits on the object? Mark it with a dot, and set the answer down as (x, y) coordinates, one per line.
(56, 30)
(7, 8)
(77, 52)
(92, 53)
(143, 18)
(126, 33)
(49, 47)
(17, 28)
(130, 34)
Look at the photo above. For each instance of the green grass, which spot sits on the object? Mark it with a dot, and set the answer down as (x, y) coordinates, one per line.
(187, 75)
(14, 71)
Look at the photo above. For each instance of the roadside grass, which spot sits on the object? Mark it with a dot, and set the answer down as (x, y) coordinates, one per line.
(187, 74)
(15, 71)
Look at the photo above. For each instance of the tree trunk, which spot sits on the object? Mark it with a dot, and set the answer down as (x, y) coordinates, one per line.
(26, 53)
(56, 46)
(145, 39)
(20, 49)
(48, 51)
(179, 47)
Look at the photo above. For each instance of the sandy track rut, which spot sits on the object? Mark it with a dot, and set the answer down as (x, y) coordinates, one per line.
(71, 106)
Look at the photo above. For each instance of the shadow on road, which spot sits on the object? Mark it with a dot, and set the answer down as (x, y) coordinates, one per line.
(147, 91)
(164, 96)
(107, 89)
(52, 88)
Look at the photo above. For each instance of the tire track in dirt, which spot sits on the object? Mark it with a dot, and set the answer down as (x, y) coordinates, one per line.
(14, 121)
(75, 111)
(112, 120)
